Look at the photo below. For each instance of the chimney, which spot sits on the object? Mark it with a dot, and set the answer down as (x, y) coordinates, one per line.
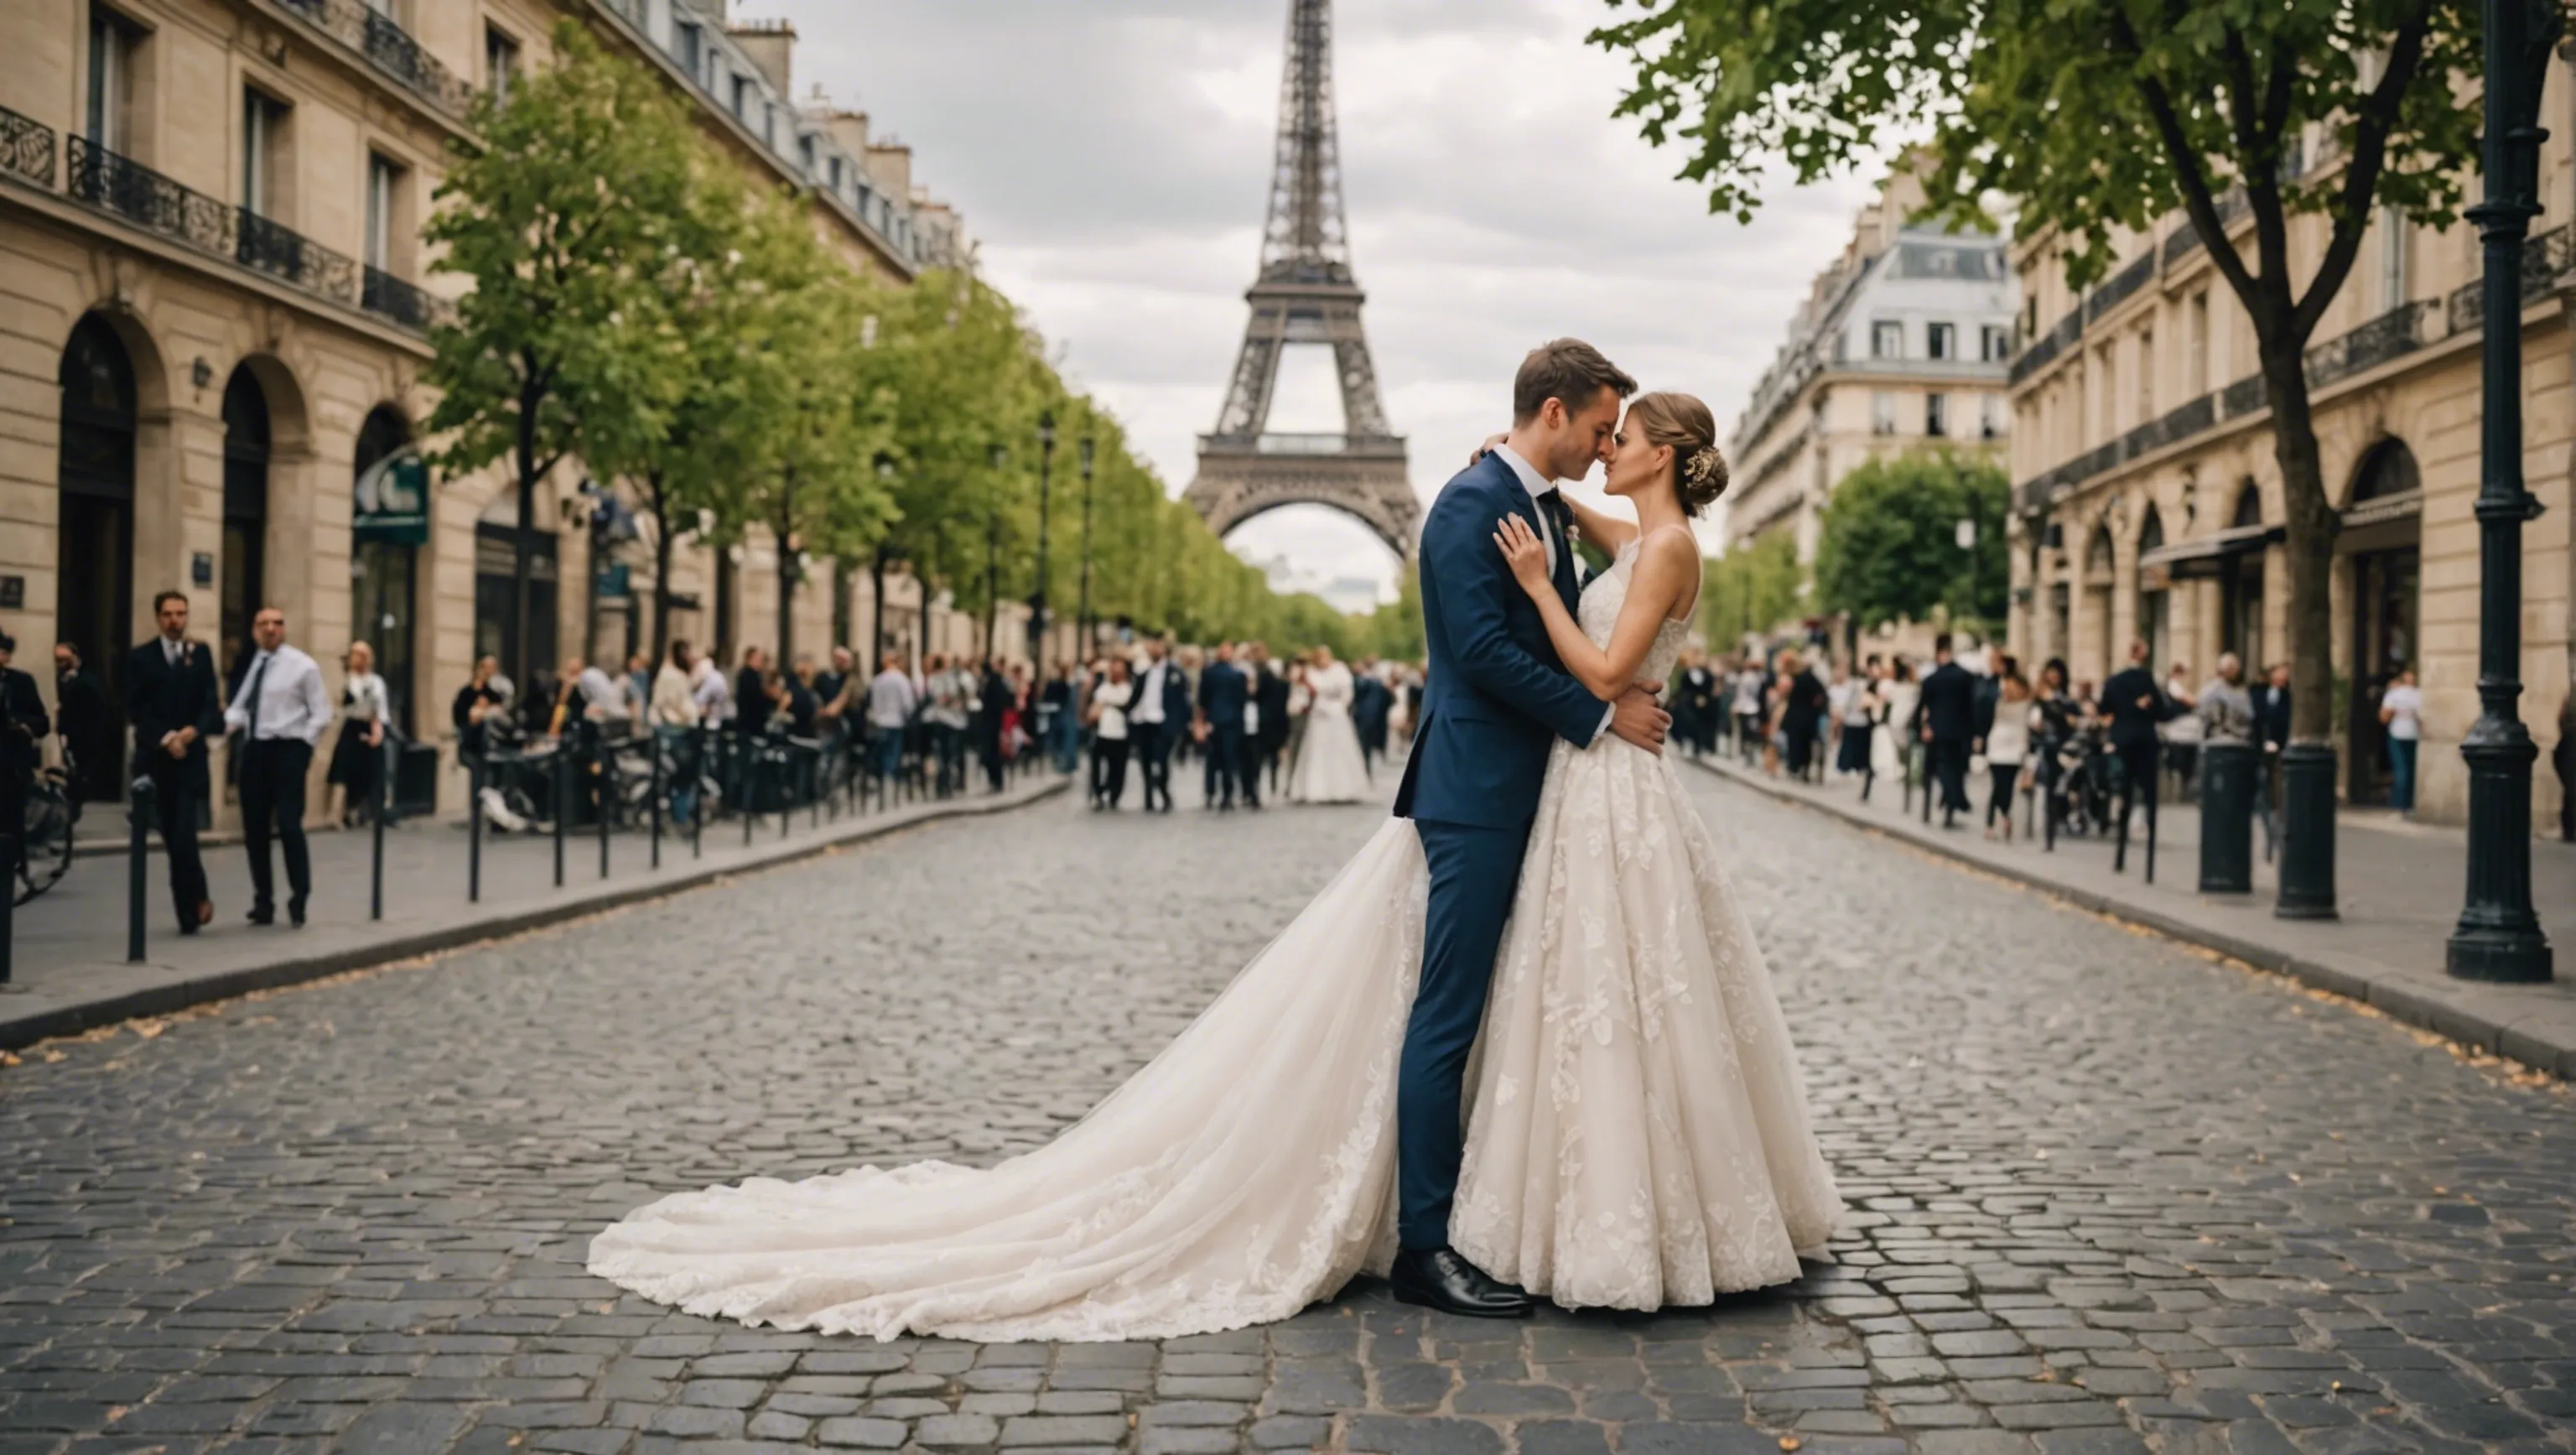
(767, 44)
(847, 128)
(890, 164)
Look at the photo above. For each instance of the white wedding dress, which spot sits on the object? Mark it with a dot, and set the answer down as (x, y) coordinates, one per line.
(1329, 769)
(1637, 1136)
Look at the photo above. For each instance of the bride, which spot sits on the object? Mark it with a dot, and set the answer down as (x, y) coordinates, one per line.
(1328, 768)
(1637, 1135)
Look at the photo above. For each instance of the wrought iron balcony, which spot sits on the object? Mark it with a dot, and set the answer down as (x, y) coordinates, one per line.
(2121, 285)
(406, 304)
(26, 148)
(2397, 332)
(389, 48)
(2050, 345)
(128, 190)
(2544, 258)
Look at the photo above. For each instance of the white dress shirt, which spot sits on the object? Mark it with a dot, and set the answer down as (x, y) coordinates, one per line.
(292, 704)
(1149, 695)
(1537, 485)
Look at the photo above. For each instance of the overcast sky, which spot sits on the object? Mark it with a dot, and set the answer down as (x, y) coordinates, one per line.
(1112, 157)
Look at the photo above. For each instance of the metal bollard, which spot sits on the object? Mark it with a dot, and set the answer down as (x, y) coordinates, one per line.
(653, 749)
(138, 813)
(384, 802)
(9, 852)
(474, 831)
(563, 802)
(603, 784)
(2226, 818)
(746, 771)
(700, 806)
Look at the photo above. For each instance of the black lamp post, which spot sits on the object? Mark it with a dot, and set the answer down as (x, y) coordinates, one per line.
(877, 637)
(1082, 608)
(2499, 936)
(993, 553)
(1038, 595)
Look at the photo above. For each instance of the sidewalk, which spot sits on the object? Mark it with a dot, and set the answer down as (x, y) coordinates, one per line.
(2399, 886)
(70, 967)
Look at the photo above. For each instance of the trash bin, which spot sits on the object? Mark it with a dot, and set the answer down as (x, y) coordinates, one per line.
(2227, 818)
(416, 780)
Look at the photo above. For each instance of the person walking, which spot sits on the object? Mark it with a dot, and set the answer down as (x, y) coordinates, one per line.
(1109, 735)
(280, 716)
(359, 751)
(86, 719)
(2401, 709)
(1949, 713)
(993, 714)
(1161, 706)
(2181, 730)
(171, 700)
(2136, 710)
(891, 703)
(2007, 748)
(1224, 697)
(1267, 719)
(671, 713)
(1371, 702)
(1803, 705)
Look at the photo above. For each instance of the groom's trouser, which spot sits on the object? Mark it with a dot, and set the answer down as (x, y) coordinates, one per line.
(1472, 874)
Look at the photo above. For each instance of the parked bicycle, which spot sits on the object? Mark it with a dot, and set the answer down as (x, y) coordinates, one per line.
(45, 833)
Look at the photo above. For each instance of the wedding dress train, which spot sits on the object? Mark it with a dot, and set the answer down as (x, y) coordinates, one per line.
(1637, 1136)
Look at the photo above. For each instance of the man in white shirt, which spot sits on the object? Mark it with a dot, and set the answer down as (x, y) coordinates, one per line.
(1149, 724)
(277, 719)
(891, 701)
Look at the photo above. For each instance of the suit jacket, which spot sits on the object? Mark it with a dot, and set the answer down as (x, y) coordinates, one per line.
(1222, 693)
(161, 698)
(2271, 714)
(2133, 725)
(1176, 696)
(23, 721)
(1270, 694)
(1949, 705)
(1497, 690)
(1370, 703)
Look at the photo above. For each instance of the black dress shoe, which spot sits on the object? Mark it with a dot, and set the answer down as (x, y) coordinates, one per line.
(263, 915)
(295, 912)
(1439, 1278)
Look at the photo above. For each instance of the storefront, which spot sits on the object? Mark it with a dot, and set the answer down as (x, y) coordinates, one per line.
(2380, 544)
(389, 523)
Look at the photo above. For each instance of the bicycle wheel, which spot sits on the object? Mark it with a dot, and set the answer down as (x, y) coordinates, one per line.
(47, 843)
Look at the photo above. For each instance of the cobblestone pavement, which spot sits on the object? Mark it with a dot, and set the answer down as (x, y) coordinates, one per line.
(2105, 1195)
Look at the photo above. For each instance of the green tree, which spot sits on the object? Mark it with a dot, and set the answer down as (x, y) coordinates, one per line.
(1890, 545)
(1750, 591)
(2097, 117)
(562, 214)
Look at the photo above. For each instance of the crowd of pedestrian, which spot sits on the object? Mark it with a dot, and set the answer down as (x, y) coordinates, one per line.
(1304, 728)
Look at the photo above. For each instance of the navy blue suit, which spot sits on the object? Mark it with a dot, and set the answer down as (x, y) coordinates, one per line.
(1497, 694)
(1222, 695)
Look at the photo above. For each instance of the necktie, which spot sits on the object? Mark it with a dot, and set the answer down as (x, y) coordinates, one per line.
(258, 675)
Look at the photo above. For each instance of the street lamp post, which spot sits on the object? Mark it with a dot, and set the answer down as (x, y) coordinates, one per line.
(1038, 595)
(1082, 607)
(876, 578)
(993, 553)
(2499, 937)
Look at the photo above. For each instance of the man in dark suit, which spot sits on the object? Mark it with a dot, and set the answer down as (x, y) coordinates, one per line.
(171, 699)
(1160, 714)
(1371, 703)
(86, 717)
(1948, 712)
(1697, 722)
(1269, 735)
(1223, 691)
(1498, 696)
(23, 726)
(2136, 706)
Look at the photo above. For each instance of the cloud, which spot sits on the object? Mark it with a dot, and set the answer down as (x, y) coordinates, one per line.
(1113, 159)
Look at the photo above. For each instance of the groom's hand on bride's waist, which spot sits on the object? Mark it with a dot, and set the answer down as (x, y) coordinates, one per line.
(1636, 718)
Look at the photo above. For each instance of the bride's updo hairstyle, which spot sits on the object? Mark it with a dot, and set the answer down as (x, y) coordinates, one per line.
(1682, 422)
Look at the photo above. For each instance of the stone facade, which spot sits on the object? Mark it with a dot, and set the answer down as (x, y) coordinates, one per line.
(2147, 500)
(1901, 343)
(209, 218)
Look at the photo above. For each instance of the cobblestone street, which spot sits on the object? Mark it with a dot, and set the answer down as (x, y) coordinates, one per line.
(2105, 1195)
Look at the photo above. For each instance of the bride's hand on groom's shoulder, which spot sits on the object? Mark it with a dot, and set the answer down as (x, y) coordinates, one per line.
(1523, 551)
(1487, 447)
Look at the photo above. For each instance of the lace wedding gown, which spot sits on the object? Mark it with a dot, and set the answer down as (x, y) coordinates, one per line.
(1328, 768)
(1638, 1136)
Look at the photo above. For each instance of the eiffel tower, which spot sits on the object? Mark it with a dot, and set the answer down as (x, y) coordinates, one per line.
(1306, 294)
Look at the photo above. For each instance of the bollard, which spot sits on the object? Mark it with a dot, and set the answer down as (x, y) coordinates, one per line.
(813, 758)
(700, 804)
(746, 771)
(1923, 755)
(2226, 818)
(474, 831)
(603, 786)
(138, 813)
(9, 852)
(384, 798)
(653, 748)
(563, 802)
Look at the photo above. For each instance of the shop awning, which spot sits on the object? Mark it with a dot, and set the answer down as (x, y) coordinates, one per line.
(2203, 556)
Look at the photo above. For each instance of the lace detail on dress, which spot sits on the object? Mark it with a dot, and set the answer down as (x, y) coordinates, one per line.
(1661, 1152)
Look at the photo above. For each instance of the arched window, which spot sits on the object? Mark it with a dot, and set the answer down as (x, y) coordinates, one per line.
(2387, 470)
(94, 575)
(2249, 505)
(246, 448)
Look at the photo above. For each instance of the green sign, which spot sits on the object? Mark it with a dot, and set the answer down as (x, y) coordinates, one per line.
(393, 501)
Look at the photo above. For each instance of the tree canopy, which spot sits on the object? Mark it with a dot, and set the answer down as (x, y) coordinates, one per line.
(1890, 547)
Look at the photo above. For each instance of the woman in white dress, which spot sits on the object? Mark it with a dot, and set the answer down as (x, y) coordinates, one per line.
(1638, 1135)
(1890, 747)
(1329, 768)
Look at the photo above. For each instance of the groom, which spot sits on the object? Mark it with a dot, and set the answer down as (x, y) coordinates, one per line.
(1496, 696)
